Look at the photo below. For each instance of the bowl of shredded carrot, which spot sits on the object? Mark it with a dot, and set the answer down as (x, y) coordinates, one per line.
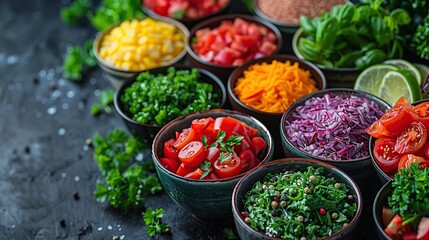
(265, 88)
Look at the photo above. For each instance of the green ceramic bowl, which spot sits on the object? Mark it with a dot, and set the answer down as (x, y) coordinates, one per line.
(205, 199)
(282, 165)
(361, 168)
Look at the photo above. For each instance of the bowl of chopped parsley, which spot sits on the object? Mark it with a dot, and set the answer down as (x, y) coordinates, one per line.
(208, 199)
(151, 99)
(296, 198)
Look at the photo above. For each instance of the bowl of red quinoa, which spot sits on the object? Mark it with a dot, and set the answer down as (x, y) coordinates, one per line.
(329, 125)
(285, 14)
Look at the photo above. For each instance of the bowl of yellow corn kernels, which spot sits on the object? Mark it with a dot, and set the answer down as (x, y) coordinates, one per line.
(137, 45)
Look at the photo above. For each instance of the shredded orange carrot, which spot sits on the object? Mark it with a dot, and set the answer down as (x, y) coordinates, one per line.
(273, 87)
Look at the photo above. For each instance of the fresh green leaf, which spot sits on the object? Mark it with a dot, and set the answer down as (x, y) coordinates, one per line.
(153, 222)
(105, 99)
(205, 166)
(75, 11)
(225, 156)
(401, 16)
(204, 141)
(78, 60)
(179, 13)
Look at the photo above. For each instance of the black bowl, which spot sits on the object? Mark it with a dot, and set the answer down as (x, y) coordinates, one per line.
(224, 71)
(377, 208)
(149, 131)
(282, 165)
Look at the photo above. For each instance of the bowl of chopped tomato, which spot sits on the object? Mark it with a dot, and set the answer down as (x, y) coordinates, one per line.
(329, 125)
(222, 43)
(189, 12)
(399, 138)
(297, 198)
(200, 157)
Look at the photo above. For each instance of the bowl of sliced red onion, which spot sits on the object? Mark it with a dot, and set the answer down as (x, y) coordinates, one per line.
(329, 125)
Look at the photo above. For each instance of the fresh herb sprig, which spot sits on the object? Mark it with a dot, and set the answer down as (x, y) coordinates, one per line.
(153, 222)
(105, 99)
(78, 60)
(410, 196)
(126, 181)
(226, 147)
(75, 11)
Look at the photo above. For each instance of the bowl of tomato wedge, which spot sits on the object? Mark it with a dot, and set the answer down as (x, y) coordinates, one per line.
(222, 43)
(200, 157)
(189, 12)
(399, 138)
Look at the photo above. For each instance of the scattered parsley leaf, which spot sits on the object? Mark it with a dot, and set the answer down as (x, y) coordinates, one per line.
(228, 145)
(104, 101)
(75, 11)
(153, 222)
(229, 234)
(78, 60)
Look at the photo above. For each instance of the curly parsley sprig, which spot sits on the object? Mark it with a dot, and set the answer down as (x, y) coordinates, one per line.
(152, 218)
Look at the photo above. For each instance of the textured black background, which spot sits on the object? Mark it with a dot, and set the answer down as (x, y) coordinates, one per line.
(44, 122)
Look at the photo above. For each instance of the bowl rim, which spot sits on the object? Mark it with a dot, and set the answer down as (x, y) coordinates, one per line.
(385, 189)
(262, 15)
(231, 113)
(102, 34)
(217, 20)
(351, 183)
(297, 35)
(278, 57)
(380, 102)
(151, 13)
(129, 81)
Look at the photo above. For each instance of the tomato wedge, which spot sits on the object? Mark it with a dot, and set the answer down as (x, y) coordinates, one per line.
(169, 164)
(395, 228)
(192, 154)
(407, 159)
(183, 169)
(184, 138)
(258, 144)
(396, 118)
(421, 113)
(196, 174)
(412, 138)
(228, 168)
(404, 102)
(229, 125)
(201, 124)
(385, 155)
(170, 151)
(248, 160)
(212, 154)
(423, 229)
(377, 130)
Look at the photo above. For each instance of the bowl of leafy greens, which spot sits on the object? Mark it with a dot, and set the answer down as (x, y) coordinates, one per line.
(200, 157)
(152, 98)
(296, 198)
(401, 207)
(350, 38)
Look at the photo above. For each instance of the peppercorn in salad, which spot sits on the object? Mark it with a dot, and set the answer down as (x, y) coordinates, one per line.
(299, 205)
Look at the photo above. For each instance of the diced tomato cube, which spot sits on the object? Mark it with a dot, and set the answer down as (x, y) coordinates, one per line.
(267, 48)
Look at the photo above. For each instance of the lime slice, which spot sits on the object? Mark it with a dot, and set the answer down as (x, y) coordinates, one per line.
(423, 69)
(370, 79)
(402, 64)
(396, 84)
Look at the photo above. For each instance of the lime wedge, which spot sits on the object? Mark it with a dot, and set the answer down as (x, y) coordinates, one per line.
(402, 64)
(370, 79)
(423, 69)
(396, 84)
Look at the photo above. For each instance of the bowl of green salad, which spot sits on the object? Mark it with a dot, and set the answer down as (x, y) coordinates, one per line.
(296, 198)
(149, 100)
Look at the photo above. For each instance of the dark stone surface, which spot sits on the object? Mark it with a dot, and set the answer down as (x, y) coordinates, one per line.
(47, 173)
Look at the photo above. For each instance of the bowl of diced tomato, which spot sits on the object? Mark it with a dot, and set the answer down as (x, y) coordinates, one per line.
(222, 43)
(200, 157)
(189, 12)
(399, 138)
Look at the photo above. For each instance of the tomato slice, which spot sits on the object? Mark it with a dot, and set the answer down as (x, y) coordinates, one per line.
(407, 159)
(170, 164)
(212, 154)
(184, 138)
(258, 144)
(229, 125)
(201, 124)
(229, 168)
(192, 154)
(411, 139)
(395, 228)
(183, 170)
(404, 102)
(385, 155)
(248, 160)
(377, 130)
(196, 174)
(423, 229)
(421, 112)
(170, 151)
(396, 118)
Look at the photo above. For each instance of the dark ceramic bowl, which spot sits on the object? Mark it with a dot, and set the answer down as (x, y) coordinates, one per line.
(149, 131)
(282, 165)
(117, 75)
(271, 120)
(224, 71)
(206, 199)
(377, 209)
(335, 77)
(361, 168)
(384, 178)
(187, 22)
